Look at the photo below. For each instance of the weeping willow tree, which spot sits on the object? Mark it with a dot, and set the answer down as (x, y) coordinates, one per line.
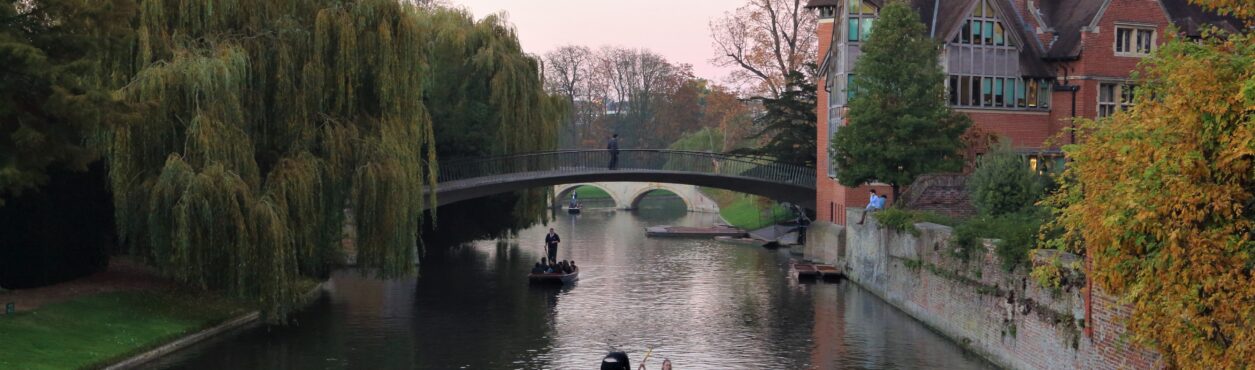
(260, 122)
(488, 99)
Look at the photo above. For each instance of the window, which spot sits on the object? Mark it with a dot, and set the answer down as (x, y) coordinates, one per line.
(849, 88)
(862, 16)
(1113, 97)
(983, 28)
(998, 92)
(986, 89)
(1134, 41)
(827, 12)
(998, 101)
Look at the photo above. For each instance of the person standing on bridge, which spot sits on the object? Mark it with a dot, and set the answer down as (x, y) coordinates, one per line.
(551, 244)
(613, 147)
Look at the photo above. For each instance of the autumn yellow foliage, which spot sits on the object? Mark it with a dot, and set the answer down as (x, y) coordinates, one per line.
(1160, 199)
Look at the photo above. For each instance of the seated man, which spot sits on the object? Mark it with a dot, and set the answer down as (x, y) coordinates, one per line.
(875, 202)
(537, 268)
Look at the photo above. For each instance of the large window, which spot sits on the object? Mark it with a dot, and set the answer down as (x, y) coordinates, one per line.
(1113, 97)
(983, 28)
(998, 92)
(1134, 41)
(862, 16)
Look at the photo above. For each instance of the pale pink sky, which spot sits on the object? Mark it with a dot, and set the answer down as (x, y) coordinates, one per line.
(676, 29)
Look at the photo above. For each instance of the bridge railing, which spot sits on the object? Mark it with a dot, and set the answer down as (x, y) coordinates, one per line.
(583, 161)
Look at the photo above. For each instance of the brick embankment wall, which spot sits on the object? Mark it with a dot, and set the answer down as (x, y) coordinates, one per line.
(1002, 316)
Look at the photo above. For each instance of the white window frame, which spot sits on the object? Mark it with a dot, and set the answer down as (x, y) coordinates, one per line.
(1133, 48)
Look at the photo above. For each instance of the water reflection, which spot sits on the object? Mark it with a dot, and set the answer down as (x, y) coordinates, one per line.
(703, 305)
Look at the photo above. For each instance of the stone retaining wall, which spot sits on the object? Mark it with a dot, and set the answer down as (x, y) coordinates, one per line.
(1003, 316)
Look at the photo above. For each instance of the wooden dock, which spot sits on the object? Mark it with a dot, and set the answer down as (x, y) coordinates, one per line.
(693, 232)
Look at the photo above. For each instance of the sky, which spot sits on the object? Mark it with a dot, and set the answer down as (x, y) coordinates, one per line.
(676, 29)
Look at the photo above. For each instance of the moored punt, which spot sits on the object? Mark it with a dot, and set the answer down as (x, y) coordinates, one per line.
(574, 210)
(829, 272)
(554, 277)
(739, 241)
(702, 232)
(805, 271)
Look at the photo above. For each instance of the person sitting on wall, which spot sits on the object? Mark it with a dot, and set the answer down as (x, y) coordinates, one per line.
(874, 203)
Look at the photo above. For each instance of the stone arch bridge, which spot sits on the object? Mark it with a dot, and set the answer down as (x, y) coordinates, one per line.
(468, 178)
(627, 195)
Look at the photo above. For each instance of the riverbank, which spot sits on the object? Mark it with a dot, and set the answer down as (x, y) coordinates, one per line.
(747, 212)
(104, 318)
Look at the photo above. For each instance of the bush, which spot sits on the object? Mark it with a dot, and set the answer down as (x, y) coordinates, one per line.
(1016, 234)
(1003, 184)
(903, 220)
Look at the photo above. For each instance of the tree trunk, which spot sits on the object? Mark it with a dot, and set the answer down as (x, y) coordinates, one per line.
(897, 192)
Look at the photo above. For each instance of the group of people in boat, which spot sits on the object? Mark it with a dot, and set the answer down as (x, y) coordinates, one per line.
(547, 266)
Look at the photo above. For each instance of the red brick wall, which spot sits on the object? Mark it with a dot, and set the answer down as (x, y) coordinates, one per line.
(1026, 129)
(824, 195)
(1098, 60)
(1110, 349)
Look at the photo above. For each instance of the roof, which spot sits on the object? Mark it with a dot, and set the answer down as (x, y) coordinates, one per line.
(819, 3)
(1068, 17)
(1190, 19)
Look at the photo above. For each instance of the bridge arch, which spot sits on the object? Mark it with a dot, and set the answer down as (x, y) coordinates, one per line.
(563, 193)
(635, 199)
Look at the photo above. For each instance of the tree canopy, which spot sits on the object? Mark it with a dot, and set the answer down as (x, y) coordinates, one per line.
(899, 125)
(1159, 198)
(241, 136)
(50, 93)
(787, 123)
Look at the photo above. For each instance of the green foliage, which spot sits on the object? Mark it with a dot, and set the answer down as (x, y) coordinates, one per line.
(254, 126)
(1003, 184)
(788, 122)
(51, 84)
(591, 192)
(1016, 235)
(1159, 200)
(899, 124)
(904, 220)
(96, 330)
(705, 140)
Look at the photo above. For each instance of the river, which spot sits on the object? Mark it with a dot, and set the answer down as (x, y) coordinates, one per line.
(702, 304)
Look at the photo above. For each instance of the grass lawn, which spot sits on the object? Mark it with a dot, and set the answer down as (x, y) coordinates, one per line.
(591, 192)
(94, 331)
(744, 212)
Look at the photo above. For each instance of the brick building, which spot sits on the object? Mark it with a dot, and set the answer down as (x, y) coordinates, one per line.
(1021, 69)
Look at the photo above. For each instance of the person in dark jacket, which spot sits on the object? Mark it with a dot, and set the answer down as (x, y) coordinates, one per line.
(616, 361)
(551, 245)
(538, 268)
(613, 147)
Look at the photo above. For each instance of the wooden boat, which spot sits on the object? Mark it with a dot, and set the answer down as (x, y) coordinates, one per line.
(554, 277)
(693, 232)
(805, 271)
(574, 210)
(829, 272)
(739, 241)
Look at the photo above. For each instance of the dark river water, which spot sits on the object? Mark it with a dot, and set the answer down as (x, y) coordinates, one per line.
(702, 304)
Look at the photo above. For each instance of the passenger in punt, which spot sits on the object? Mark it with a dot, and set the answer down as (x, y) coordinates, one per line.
(538, 268)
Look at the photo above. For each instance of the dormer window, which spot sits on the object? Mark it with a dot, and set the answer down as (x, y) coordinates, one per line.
(862, 15)
(983, 28)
